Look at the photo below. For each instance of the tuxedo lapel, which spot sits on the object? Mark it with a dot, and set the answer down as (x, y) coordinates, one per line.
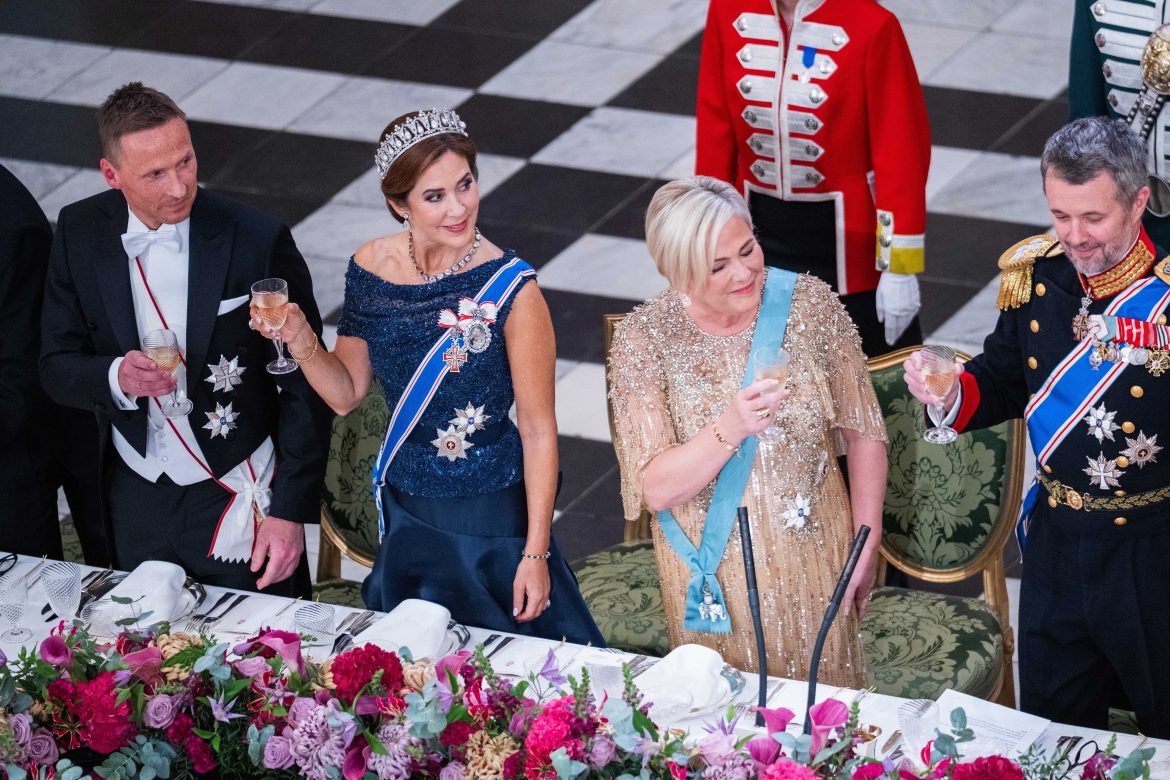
(208, 260)
(113, 271)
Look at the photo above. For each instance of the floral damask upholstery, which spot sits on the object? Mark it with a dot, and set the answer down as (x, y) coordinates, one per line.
(946, 518)
(620, 586)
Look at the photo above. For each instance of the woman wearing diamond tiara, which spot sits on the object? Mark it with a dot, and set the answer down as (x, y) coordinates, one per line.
(739, 386)
(453, 330)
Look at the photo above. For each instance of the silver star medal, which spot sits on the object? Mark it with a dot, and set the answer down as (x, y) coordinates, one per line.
(470, 420)
(1100, 422)
(451, 444)
(221, 421)
(1142, 450)
(225, 375)
(1102, 472)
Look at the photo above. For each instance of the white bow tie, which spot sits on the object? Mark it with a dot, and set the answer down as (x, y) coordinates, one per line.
(166, 236)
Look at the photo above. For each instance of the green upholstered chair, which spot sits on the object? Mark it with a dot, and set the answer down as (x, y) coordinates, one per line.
(349, 517)
(948, 512)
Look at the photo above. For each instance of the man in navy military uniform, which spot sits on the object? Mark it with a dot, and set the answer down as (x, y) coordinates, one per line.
(1081, 351)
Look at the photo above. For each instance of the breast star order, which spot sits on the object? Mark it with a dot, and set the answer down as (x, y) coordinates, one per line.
(1103, 472)
(221, 421)
(225, 375)
(470, 419)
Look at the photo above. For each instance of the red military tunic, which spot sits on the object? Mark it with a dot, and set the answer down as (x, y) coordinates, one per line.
(833, 113)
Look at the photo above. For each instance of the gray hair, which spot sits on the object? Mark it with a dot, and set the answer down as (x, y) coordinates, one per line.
(683, 224)
(1085, 147)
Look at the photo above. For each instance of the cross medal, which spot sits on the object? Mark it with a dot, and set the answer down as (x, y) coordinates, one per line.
(1080, 323)
(455, 357)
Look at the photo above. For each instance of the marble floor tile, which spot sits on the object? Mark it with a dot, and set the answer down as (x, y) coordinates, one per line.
(1013, 589)
(260, 95)
(680, 168)
(570, 73)
(337, 231)
(350, 569)
(401, 11)
(581, 405)
(39, 178)
(656, 26)
(366, 191)
(931, 45)
(328, 282)
(34, 67)
(1050, 19)
(494, 170)
(996, 186)
(945, 164)
(621, 140)
(284, 5)
(968, 326)
(86, 182)
(361, 107)
(970, 14)
(1006, 64)
(565, 366)
(178, 75)
(604, 265)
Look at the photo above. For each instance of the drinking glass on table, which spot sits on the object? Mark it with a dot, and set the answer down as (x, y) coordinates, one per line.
(271, 299)
(771, 362)
(13, 600)
(62, 581)
(162, 346)
(939, 371)
(318, 621)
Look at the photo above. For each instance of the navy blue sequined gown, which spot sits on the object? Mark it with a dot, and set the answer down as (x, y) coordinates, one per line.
(455, 526)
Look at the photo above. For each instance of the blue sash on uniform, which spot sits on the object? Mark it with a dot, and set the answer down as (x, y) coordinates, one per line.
(1074, 386)
(429, 375)
(704, 605)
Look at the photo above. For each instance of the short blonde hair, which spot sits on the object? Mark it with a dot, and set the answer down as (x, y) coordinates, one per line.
(683, 224)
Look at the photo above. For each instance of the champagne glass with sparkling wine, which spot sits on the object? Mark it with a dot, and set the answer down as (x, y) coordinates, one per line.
(162, 347)
(771, 362)
(939, 370)
(271, 299)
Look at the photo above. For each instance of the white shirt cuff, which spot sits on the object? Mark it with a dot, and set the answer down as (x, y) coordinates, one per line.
(125, 403)
(949, 421)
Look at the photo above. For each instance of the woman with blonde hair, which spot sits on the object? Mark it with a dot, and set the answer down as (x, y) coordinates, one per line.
(699, 433)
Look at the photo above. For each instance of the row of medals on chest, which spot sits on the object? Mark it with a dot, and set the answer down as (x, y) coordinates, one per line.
(1155, 359)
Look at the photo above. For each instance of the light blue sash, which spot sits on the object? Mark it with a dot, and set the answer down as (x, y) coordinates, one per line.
(705, 609)
(1074, 386)
(429, 375)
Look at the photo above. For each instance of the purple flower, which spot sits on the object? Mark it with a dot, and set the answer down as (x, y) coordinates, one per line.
(3, 658)
(301, 708)
(288, 646)
(42, 748)
(278, 753)
(602, 752)
(223, 712)
(252, 667)
(21, 727)
(826, 716)
(320, 738)
(453, 771)
(54, 651)
(551, 672)
(160, 711)
(122, 678)
(396, 764)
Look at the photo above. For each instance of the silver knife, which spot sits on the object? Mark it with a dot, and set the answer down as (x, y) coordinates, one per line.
(503, 643)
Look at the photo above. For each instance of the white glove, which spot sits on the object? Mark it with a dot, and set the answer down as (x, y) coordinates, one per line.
(897, 303)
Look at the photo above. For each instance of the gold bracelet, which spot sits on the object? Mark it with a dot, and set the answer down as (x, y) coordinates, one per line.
(726, 445)
(312, 354)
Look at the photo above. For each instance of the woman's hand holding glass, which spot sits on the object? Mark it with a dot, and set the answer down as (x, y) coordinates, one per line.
(751, 410)
(295, 333)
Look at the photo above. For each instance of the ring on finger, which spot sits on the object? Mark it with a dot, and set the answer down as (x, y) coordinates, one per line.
(763, 413)
(547, 603)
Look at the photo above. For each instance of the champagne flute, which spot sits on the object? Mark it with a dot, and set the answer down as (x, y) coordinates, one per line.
(771, 361)
(939, 371)
(162, 347)
(271, 299)
(13, 600)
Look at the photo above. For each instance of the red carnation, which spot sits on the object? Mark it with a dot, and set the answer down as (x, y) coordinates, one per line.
(180, 728)
(105, 724)
(989, 768)
(354, 670)
(202, 760)
(455, 734)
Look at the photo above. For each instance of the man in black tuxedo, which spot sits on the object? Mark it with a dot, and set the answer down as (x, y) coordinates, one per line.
(28, 497)
(225, 490)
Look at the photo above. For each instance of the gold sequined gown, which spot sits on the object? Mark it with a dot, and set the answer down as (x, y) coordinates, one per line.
(669, 380)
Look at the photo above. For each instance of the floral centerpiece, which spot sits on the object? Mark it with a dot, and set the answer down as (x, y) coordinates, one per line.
(173, 705)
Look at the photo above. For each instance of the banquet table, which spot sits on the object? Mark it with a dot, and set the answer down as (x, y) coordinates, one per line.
(521, 656)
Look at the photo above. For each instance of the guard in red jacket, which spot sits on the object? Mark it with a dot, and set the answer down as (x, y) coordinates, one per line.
(813, 109)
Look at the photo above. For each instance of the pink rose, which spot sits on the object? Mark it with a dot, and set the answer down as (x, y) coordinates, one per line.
(252, 667)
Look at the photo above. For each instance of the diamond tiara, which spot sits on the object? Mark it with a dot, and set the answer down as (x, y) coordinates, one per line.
(402, 137)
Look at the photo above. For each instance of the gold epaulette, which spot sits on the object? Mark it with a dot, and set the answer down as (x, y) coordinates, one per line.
(1015, 283)
(1162, 269)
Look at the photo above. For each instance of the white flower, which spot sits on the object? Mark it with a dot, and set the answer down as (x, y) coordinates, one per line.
(798, 512)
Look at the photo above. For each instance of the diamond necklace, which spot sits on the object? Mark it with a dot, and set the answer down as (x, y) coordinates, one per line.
(436, 277)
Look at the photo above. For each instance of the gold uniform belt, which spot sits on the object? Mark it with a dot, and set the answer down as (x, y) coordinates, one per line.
(1061, 493)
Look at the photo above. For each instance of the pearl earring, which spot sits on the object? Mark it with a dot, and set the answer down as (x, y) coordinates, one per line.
(406, 220)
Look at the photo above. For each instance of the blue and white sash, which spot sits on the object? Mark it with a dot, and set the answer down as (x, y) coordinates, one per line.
(1062, 401)
(705, 605)
(429, 375)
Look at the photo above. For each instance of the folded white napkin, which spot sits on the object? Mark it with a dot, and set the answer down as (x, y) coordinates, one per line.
(695, 667)
(414, 623)
(156, 587)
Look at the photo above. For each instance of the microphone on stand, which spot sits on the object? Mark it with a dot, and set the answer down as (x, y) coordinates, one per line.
(749, 566)
(830, 614)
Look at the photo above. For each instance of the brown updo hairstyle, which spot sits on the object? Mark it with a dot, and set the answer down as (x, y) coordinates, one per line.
(410, 165)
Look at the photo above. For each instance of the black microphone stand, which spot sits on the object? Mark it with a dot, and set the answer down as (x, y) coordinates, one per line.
(749, 566)
(830, 614)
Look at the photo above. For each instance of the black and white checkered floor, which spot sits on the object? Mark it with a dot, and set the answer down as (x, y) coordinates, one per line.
(581, 108)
